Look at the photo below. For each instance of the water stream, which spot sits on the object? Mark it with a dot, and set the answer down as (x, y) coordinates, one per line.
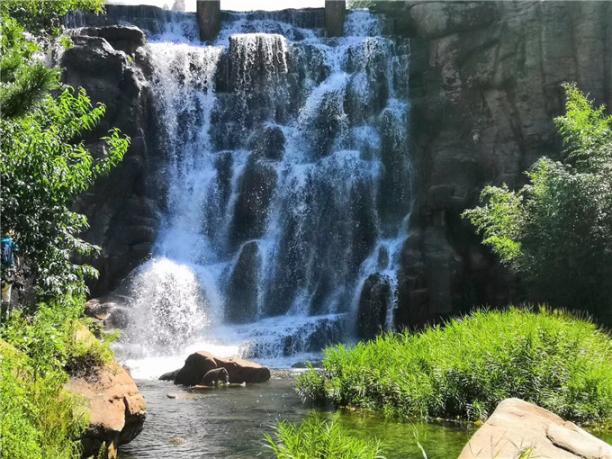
(231, 423)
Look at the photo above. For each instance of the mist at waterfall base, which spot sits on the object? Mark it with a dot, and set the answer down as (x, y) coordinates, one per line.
(286, 185)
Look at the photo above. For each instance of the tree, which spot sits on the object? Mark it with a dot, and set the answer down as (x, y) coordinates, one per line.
(556, 231)
(44, 165)
(43, 17)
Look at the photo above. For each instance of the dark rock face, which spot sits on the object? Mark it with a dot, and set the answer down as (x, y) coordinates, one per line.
(485, 83)
(255, 193)
(123, 38)
(269, 143)
(373, 305)
(243, 286)
(122, 208)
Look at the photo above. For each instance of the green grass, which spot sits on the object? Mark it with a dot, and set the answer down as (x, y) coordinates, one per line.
(319, 438)
(38, 419)
(466, 367)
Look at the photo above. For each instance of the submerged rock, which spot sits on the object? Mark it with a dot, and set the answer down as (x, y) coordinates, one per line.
(199, 363)
(517, 427)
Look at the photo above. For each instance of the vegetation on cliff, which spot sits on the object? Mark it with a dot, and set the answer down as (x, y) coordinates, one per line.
(38, 419)
(556, 231)
(466, 367)
(44, 166)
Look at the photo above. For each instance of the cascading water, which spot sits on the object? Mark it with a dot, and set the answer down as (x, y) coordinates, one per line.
(287, 188)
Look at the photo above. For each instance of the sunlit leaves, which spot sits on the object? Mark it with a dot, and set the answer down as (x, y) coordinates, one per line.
(556, 231)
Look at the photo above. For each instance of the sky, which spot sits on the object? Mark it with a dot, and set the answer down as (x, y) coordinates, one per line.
(234, 5)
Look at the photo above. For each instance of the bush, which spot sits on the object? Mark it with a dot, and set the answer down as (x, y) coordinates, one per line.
(317, 437)
(465, 368)
(38, 419)
(556, 232)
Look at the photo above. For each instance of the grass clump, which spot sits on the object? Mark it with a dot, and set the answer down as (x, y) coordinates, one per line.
(318, 437)
(466, 367)
(38, 354)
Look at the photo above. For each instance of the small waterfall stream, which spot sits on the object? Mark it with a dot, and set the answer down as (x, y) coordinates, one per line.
(287, 187)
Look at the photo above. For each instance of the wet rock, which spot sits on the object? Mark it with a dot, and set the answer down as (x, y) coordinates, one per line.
(169, 376)
(122, 217)
(268, 143)
(239, 370)
(373, 305)
(214, 377)
(117, 409)
(196, 366)
(244, 371)
(123, 38)
(243, 286)
(255, 192)
(517, 427)
(109, 313)
(307, 363)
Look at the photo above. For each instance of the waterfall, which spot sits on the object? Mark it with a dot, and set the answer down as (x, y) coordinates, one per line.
(286, 187)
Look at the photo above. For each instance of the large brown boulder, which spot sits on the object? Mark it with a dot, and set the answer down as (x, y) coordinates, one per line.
(117, 408)
(200, 363)
(196, 366)
(517, 427)
(241, 370)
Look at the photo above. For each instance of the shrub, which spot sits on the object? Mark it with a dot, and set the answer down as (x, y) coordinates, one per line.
(38, 419)
(317, 437)
(465, 368)
(556, 231)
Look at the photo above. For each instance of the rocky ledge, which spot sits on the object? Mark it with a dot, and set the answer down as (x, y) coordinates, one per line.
(116, 407)
(200, 363)
(520, 429)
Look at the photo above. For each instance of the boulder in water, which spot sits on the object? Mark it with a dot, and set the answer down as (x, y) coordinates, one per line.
(241, 370)
(169, 376)
(200, 363)
(196, 366)
(517, 427)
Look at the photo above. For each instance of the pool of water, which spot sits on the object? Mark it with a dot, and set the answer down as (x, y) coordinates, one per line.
(231, 423)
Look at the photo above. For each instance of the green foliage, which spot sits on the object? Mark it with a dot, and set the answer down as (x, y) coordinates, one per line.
(317, 437)
(38, 418)
(467, 367)
(24, 81)
(556, 231)
(43, 170)
(44, 166)
(44, 16)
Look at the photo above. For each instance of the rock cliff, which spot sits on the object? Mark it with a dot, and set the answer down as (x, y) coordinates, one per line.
(485, 85)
